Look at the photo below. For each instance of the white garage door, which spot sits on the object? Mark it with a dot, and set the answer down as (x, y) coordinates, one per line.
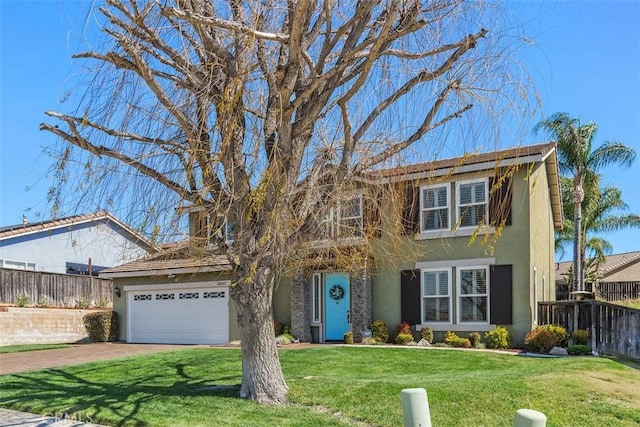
(179, 316)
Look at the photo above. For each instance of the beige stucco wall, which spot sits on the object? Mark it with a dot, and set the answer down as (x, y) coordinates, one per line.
(282, 301)
(120, 304)
(42, 326)
(393, 254)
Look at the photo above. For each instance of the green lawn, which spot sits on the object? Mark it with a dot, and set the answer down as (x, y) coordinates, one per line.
(336, 386)
(18, 348)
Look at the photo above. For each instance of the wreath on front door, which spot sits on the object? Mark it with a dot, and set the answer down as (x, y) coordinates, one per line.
(336, 292)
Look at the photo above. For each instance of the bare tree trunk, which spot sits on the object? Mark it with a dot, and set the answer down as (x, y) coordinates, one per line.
(578, 277)
(262, 378)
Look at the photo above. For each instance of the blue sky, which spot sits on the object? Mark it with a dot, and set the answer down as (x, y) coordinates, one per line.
(584, 57)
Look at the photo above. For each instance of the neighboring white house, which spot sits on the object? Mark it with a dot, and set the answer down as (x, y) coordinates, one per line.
(81, 244)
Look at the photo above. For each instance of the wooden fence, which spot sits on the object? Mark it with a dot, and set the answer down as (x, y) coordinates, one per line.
(614, 329)
(618, 291)
(52, 289)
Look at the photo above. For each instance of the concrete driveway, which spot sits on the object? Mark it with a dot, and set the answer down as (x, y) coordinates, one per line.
(78, 353)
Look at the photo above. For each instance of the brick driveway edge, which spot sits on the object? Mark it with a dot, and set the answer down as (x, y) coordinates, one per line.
(11, 363)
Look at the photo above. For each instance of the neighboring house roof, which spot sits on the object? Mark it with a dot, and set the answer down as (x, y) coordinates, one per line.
(175, 260)
(612, 264)
(24, 229)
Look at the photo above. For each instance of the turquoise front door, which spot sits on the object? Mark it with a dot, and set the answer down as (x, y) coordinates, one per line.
(337, 305)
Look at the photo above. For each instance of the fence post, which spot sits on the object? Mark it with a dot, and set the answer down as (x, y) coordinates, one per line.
(529, 418)
(415, 407)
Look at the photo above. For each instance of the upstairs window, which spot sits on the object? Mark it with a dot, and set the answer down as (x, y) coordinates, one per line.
(344, 220)
(472, 203)
(434, 208)
(350, 217)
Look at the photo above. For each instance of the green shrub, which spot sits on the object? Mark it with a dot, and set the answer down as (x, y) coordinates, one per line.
(286, 330)
(348, 337)
(460, 342)
(284, 339)
(540, 340)
(474, 339)
(580, 337)
(450, 337)
(404, 339)
(427, 334)
(83, 303)
(379, 331)
(370, 341)
(102, 326)
(22, 300)
(499, 338)
(42, 302)
(102, 303)
(562, 337)
(579, 350)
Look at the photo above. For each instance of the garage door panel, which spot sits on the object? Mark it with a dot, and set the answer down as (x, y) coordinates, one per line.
(185, 316)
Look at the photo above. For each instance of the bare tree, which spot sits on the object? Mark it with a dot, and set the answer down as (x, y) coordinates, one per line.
(260, 111)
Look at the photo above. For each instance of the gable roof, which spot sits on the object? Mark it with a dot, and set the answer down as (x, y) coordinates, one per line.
(612, 264)
(175, 259)
(11, 231)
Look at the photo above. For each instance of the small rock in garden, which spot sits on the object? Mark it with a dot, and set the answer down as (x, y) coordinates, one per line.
(558, 351)
(424, 343)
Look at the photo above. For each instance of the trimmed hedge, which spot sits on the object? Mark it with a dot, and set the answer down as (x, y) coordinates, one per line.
(102, 326)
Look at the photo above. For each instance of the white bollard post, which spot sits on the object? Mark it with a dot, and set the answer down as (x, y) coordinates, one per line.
(415, 407)
(529, 418)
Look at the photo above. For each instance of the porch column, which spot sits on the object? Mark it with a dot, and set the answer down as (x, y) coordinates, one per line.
(300, 306)
(361, 316)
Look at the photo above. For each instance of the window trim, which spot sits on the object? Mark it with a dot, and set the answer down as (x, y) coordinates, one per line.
(459, 295)
(485, 222)
(423, 209)
(449, 295)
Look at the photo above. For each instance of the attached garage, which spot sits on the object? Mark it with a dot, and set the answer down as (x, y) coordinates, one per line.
(183, 313)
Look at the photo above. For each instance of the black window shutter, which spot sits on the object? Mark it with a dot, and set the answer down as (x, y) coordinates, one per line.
(410, 310)
(411, 209)
(501, 295)
(500, 201)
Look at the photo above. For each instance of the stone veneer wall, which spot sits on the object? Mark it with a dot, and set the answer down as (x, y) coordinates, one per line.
(301, 306)
(361, 316)
(42, 326)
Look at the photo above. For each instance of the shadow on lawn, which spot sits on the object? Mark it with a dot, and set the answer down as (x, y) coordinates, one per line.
(107, 400)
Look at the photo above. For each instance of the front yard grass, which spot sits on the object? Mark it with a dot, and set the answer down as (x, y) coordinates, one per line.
(18, 348)
(335, 386)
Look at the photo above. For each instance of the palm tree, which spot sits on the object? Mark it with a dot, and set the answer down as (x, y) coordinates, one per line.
(577, 159)
(602, 212)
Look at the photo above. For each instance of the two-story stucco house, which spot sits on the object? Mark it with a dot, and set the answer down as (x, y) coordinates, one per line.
(461, 244)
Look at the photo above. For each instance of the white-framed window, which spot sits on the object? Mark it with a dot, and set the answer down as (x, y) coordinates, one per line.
(343, 220)
(316, 291)
(434, 207)
(472, 200)
(349, 217)
(17, 265)
(436, 295)
(473, 294)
